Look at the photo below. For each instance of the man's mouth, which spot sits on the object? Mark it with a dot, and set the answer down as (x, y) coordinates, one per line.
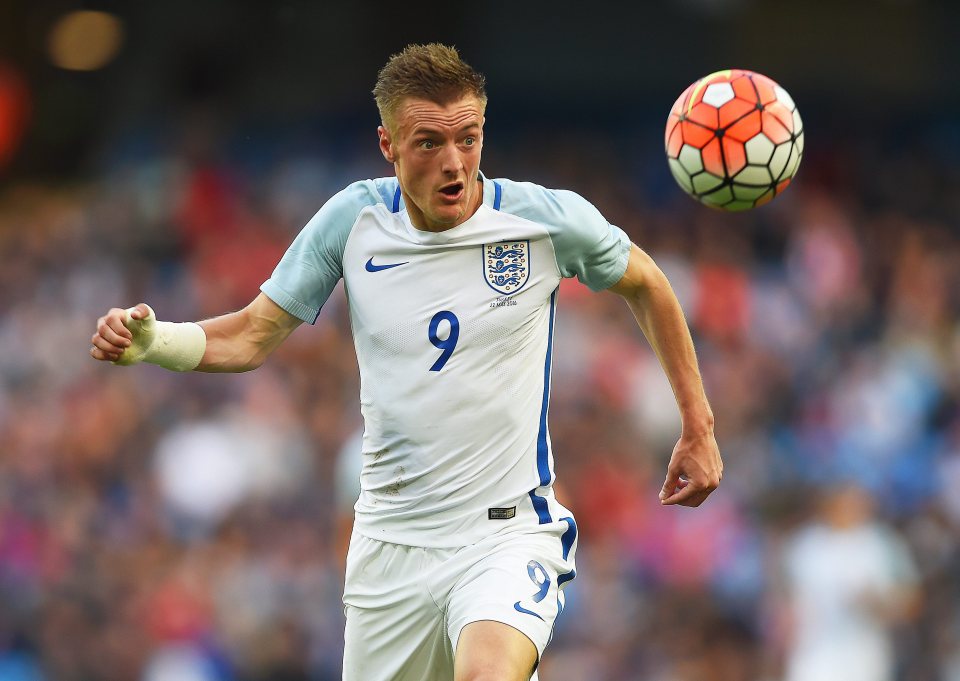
(453, 190)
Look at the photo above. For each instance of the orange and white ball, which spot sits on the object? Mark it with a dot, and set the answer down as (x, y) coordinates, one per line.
(734, 139)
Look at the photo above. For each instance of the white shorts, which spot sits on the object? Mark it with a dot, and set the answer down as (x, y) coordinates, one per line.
(406, 606)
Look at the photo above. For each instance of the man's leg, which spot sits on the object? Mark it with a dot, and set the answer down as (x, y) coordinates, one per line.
(506, 595)
(493, 651)
(395, 631)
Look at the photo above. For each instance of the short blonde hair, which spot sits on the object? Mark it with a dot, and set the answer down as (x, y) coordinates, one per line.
(433, 72)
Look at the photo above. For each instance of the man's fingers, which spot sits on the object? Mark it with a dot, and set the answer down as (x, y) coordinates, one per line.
(113, 337)
(670, 484)
(694, 471)
(676, 480)
(139, 311)
(680, 489)
(117, 320)
(103, 356)
(689, 494)
(117, 324)
(119, 337)
(101, 343)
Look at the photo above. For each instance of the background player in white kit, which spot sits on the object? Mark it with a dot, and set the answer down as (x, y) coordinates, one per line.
(460, 550)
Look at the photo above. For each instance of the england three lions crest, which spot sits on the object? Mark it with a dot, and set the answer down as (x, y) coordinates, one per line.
(506, 265)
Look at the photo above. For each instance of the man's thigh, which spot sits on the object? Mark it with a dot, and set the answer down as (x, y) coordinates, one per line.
(495, 650)
(517, 582)
(395, 631)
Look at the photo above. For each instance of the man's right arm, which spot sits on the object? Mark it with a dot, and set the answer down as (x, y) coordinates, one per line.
(235, 342)
(242, 340)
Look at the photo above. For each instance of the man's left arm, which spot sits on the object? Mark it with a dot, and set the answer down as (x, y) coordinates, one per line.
(695, 467)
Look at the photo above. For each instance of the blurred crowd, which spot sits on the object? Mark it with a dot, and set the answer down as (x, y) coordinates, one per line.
(166, 527)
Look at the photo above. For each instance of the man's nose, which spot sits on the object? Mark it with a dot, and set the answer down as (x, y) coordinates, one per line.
(451, 162)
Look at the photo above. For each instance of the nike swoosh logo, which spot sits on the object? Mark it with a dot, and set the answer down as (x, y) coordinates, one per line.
(519, 608)
(376, 268)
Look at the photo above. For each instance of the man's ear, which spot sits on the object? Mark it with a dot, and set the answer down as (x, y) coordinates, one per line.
(386, 144)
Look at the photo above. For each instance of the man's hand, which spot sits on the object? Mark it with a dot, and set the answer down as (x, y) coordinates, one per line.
(113, 336)
(695, 470)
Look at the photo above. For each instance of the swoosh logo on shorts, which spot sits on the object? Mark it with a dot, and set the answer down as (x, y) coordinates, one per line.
(519, 608)
(376, 268)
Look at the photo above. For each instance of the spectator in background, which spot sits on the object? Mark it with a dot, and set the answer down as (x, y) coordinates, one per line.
(849, 579)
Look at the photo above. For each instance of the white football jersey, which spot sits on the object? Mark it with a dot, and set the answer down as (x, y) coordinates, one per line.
(453, 332)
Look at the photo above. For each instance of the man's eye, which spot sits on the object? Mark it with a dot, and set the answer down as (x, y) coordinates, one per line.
(470, 141)
(426, 144)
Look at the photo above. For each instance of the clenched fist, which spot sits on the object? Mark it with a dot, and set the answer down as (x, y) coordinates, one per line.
(114, 335)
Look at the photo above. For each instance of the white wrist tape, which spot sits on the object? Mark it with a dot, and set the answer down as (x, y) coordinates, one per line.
(174, 346)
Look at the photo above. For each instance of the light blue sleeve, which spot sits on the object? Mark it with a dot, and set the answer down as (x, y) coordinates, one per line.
(312, 266)
(585, 244)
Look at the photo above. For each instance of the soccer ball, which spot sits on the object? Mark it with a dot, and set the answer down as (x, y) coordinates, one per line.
(734, 139)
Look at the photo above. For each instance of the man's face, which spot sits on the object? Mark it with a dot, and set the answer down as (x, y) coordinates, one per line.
(435, 150)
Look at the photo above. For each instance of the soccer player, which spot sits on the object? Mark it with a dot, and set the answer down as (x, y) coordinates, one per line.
(460, 551)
